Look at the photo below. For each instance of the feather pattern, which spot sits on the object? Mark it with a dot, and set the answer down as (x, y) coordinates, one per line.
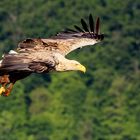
(66, 41)
(13, 62)
(33, 62)
(78, 28)
(85, 27)
(91, 23)
(90, 32)
(97, 25)
(45, 55)
(68, 30)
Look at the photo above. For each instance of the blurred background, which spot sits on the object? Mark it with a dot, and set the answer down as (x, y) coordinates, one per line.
(104, 103)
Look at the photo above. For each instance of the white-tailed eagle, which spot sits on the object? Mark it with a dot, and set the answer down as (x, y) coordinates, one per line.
(47, 55)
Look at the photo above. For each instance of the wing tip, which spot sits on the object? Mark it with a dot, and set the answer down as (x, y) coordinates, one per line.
(92, 28)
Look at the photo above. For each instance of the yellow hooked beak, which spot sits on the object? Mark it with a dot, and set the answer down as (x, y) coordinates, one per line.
(82, 68)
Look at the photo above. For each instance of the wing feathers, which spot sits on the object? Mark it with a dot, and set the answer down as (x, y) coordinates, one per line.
(28, 43)
(93, 30)
(31, 63)
(80, 36)
(67, 30)
(91, 23)
(31, 45)
(13, 62)
(38, 67)
(85, 26)
(78, 28)
(70, 39)
(97, 25)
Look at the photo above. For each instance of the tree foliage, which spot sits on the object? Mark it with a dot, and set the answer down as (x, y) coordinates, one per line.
(102, 104)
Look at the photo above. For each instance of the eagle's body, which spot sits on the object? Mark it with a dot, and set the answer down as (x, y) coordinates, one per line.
(46, 55)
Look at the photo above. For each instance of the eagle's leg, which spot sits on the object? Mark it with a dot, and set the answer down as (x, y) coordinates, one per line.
(2, 90)
(4, 80)
(9, 89)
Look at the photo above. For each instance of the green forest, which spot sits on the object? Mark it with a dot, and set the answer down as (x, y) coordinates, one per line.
(103, 103)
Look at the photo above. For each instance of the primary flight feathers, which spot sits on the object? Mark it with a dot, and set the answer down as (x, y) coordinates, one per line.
(46, 55)
(86, 28)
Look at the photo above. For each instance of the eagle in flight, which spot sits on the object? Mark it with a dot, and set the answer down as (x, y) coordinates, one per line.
(39, 55)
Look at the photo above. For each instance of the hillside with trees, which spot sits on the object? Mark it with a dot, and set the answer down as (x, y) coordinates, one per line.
(103, 103)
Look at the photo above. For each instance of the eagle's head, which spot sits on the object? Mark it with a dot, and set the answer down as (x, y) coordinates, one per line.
(70, 65)
(64, 64)
(89, 34)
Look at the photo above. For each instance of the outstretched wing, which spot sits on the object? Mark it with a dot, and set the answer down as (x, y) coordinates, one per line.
(87, 29)
(87, 34)
(66, 41)
(30, 45)
(26, 63)
(11, 62)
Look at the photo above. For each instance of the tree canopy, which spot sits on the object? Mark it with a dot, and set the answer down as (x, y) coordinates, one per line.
(102, 104)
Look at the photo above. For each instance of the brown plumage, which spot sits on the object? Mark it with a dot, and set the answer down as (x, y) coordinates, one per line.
(46, 55)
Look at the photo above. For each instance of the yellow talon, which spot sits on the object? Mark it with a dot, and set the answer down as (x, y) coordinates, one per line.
(2, 89)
